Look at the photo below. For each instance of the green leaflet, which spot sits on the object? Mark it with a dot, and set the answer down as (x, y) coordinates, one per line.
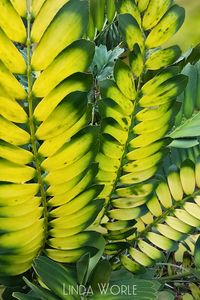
(163, 57)
(154, 12)
(77, 57)
(11, 23)
(12, 133)
(163, 192)
(15, 154)
(192, 209)
(187, 218)
(142, 5)
(175, 183)
(187, 176)
(75, 82)
(130, 31)
(10, 56)
(10, 109)
(72, 21)
(66, 114)
(129, 203)
(124, 79)
(10, 83)
(128, 6)
(166, 28)
(107, 163)
(110, 147)
(166, 91)
(189, 128)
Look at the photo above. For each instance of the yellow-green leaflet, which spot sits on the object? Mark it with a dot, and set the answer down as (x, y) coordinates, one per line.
(148, 138)
(138, 190)
(108, 178)
(153, 112)
(20, 222)
(109, 89)
(110, 147)
(71, 189)
(128, 7)
(162, 76)
(73, 150)
(36, 6)
(76, 204)
(107, 163)
(163, 57)
(154, 12)
(187, 176)
(139, 176)
(68, 256)
(166, 91)
(187, 217)
(145, 163)
(124, 79)
(131, 31)
(66, 114)
(163, 193)
(131, 265)
(20, 209)
(15, 154)
(44, 17)
(136, 60)
(50, 146)
(75, 241)
(12, 241)
(14, 194)
(166, 28)
(148, 150)
(76, 82)
(142, 5)
(170, 232)
(75, 58)
(112, 127)
(154, 206)
(10, 56)
(174, 183)
(108, 107)
(64, 174)
(10, 83)
(150, 250)
(72, 23)
(178, 224)
(10, 109)
(20, 6)
(12, 133)
(128, 203)
(141, 258)
(11, 23)
(13, 172)
(162, 241)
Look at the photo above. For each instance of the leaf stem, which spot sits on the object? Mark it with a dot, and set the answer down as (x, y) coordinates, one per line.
(32, 130)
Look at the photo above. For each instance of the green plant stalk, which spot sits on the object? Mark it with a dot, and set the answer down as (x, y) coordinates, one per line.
(32, 130)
